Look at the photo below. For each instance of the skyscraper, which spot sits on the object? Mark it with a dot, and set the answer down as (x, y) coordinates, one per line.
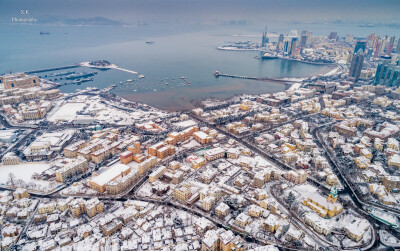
(360, 45)
(390, 46)
(388, 73)
(356, 64)
(303, 39)
(333, 35)
(264, 38)
(293, 47)
(280, 42)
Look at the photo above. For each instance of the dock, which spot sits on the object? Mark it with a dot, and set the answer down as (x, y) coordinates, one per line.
(53, 69)
(269, 79)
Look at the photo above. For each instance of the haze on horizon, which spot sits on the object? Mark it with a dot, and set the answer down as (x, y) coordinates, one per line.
(256, 12)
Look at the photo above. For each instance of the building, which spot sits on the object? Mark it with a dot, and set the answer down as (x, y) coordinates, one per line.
(222, 210)
(242, 220)
(71, 167)
(19, 80)
(182, 193)
(20, 193)
(388, 73)
(356, 64)
(156, 174)
(98, 183)
(324, 207)
(202, 137)
(10, 159)
(391, 183)
(215, 153)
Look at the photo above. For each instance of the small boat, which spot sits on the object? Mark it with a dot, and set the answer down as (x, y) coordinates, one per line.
(141, 76)
(129, 80)
(150, 42)
(135, 90)
(44, 33)
(155, 90)
(166, 83)
(183, 77)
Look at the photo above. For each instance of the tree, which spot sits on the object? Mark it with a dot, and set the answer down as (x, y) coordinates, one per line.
(291, 199)
(11, 179)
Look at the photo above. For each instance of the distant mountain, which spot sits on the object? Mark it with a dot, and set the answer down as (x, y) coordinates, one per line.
(54, 20)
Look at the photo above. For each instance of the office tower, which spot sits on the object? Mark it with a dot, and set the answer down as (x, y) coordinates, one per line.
(305, 35)
(377, 49)
(388, 73)
(264, 39)
(383, 45)
(398, 46)
(390, 46)
(293, 47)
(333, 35)
(360, 45)
(356, 64)
(286, 46)
(280, 42)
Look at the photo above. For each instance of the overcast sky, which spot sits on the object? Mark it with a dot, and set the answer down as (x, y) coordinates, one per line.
(209, 11)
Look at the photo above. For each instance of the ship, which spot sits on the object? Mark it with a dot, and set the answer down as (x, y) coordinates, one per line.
(269, 55)
(80, 75)
(141, 76)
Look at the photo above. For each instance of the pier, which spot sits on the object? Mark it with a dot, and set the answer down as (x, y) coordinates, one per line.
(269, 79)
(53, 69)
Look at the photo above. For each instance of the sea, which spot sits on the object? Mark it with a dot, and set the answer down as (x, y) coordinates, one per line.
(179, 50)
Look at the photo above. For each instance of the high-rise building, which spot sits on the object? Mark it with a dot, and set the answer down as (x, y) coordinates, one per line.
(398, 46)
(388, 73)
(390, 46)
(383, 45)
(356, 64)
(360, 45)
(286, 47)
(293, 47)
(303, 39)
(280, 42)
(264, 39)
(377, 49)
(333, 35)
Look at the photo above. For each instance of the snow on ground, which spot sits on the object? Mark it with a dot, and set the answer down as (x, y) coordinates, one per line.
(22, 171)
(101, 110)
(67, 112)
(186, 123)
(193, 143)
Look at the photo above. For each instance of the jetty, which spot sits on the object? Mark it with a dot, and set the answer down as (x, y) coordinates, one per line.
(53, 69)
(268, 79)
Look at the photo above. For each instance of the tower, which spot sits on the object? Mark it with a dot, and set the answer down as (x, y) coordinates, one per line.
(356, 64)
(360, 45)
(264, 38)
(293, 47)
(333, 195)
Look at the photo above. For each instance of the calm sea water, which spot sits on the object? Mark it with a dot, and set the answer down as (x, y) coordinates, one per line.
(184, 50)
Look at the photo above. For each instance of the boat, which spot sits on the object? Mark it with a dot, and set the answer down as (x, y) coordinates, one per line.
(141, 76)
(80, 75)
(129, 80)
(150, 42)
(135, 90)
(166, 83)
(44, 33)
(269, 55)
(183, 77)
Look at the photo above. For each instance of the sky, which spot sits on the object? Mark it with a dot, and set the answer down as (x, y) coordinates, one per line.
(209, 11)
